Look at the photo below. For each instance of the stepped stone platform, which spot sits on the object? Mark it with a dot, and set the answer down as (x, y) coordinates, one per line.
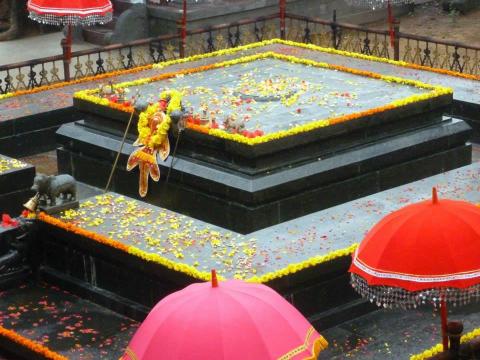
(133, 280)
(273, 181)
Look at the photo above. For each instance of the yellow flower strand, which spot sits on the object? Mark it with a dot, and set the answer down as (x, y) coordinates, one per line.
(437, 349)
(145, 135)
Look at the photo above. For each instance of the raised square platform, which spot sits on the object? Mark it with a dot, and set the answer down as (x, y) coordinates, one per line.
(313, 130)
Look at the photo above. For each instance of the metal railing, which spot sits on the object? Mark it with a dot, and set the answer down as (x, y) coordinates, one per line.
(231, 35)
(123, 56)
(416, 49)
(340, 36)
(441, 54)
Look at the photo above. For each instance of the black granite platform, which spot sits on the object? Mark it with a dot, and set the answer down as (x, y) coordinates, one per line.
(331, 172)
(278, 180)
(16, 179)
(35, 133)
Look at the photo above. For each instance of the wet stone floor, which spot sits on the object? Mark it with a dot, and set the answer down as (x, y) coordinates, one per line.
(66, 324)
(393, 333)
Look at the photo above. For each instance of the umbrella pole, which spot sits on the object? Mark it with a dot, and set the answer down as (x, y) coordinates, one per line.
(443, 314)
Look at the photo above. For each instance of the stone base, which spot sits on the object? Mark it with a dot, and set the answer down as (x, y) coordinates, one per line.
(131, 286)
(470, 112)
(55, 209)
(222, 196)
(33, 134)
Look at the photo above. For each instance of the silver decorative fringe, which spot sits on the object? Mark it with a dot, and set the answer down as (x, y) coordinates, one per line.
(74, 20)
(375, 4)
(393, 297)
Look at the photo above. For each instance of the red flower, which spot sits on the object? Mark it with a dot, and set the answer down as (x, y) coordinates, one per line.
(8, 221)
(163, 104)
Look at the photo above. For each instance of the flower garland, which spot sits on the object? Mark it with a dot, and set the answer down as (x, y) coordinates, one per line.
(145, 134)
(294, 268)
(31, 345)
(437, 349)
(175, 102)
(188, 269)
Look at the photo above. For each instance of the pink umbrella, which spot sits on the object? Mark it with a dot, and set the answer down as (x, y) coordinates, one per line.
(232, 320)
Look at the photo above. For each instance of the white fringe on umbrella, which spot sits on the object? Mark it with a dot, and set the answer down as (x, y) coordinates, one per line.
(74, 20)
(394, 297)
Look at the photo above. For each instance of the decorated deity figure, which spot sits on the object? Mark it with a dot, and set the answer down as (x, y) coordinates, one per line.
(153, 126)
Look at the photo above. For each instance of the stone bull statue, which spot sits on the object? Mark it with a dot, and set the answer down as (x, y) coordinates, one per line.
(51, 187)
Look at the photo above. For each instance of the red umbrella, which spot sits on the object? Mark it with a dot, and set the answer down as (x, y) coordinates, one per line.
(227, 320)
(424, 252)
(71, 13)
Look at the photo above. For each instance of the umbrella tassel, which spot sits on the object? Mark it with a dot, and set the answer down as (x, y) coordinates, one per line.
(443, 314)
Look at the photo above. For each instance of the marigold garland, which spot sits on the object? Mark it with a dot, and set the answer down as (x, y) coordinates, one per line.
(294, 268)
(31, 345)
(377, 59)
(145, 135)
(437, 349)
(188, 269)
(175, 102)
